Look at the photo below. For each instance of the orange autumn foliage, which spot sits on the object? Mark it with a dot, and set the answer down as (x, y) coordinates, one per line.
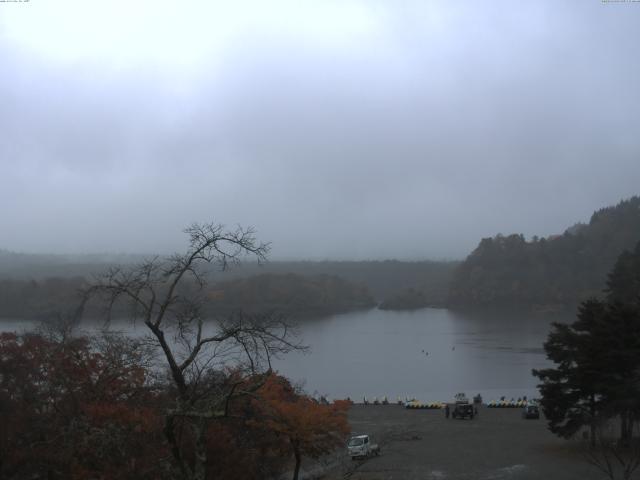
(310, 428)
(77, 409)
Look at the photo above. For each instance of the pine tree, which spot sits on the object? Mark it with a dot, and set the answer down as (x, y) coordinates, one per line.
(597, 359)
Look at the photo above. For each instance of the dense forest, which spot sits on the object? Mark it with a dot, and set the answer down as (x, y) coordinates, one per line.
(383, 278)
(554, 272)
(39, 286)
(289, 294)
(409, 299)
(39, 299)
(544, 273)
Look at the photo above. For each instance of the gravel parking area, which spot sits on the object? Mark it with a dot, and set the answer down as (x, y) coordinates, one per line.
(497, 444)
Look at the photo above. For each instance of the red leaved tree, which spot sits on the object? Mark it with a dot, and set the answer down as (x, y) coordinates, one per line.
(77, 408)
(310, 429)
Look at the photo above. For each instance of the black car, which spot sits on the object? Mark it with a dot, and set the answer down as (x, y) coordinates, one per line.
(463, 410)
(531, 411)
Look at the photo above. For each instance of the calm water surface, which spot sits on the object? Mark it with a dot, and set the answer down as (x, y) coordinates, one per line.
(429, 354)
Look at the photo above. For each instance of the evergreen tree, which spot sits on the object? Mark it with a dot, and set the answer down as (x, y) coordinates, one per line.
(623, 284)
(597, 371)
(571, 392)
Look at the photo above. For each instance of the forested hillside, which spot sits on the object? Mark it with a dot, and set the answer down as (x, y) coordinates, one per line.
(41, 299)
(290, 294)
(384, 278)
(36, 286)
(548, 272)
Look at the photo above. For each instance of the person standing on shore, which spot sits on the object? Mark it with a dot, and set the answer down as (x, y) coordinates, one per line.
(446, 410)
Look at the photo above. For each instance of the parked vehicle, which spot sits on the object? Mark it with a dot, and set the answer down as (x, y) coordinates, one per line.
(362, 446)
(531, 411)
(463, 410)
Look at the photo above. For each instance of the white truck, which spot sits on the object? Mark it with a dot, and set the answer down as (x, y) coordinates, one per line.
(361, 446)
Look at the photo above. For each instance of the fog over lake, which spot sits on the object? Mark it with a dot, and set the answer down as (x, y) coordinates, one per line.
(429, 354)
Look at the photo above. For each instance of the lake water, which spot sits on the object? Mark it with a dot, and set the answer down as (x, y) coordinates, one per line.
(429, 354)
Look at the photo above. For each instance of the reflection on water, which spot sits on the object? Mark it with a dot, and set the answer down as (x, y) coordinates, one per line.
(429, 354)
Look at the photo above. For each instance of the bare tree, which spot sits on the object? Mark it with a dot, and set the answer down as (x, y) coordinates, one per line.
(615, 458)
(169, 297)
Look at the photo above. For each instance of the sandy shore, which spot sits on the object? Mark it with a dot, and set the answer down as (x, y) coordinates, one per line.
(497, 444)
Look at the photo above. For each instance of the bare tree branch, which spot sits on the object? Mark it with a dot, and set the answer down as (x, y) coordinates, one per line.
(169, 295)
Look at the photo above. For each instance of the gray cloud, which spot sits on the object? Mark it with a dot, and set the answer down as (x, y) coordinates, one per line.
(448, 122)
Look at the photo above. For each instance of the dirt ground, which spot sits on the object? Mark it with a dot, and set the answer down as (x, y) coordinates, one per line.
(497, 444)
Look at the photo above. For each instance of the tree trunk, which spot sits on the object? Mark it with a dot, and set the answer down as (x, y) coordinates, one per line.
(200, 446)
(170, 435)
(593, 426)
(298, 457)
(624, 430)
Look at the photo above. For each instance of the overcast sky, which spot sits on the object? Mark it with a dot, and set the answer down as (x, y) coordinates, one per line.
(338, 129)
